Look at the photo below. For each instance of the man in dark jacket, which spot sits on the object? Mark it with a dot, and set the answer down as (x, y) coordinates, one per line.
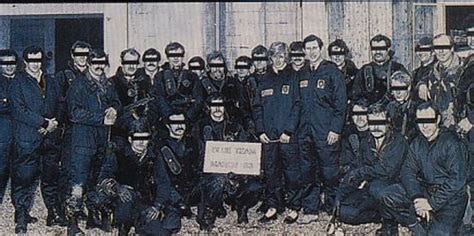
(35, 108)
(276, 110)
(76, 68)
(197, 65)
(260, 61)
(93, 105)
(381, 158)
(181, 154)
(323, 116)
(424, 52)
(401, 109)
(151, 65)
(135, 182)
(432, 197)
(131, 86)
(218, 82)
(339, 53)
(240, 191)
(8, 62)
(371, 81)
(248, 84)
(177, 90)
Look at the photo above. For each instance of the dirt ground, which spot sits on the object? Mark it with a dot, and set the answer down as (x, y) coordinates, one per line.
(225, 226)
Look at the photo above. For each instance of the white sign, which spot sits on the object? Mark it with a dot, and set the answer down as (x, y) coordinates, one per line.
(237, 157)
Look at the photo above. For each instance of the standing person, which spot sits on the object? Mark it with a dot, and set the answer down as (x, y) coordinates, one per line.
(260, 61)
(151, 64)
(177, 90)
(371, 81)
(339, 54)
(76, 68)
(93, 105)
(8, 63)
(441, 86)
(35, 109)
(276, 110)
(425, 53)
(248, 83)
(322, 119)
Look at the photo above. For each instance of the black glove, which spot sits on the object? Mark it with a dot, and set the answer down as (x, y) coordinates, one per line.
(108, 186)
(125, 193)
(352, 179)
(154, 213)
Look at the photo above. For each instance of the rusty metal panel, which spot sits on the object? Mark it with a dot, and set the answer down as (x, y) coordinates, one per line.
(157, 24)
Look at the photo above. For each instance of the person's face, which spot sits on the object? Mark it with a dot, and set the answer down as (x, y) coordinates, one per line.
(79, 56)
(260, 64)
(424, 56)
(150, 62)
(130, 64)
(243, 72)
(297, 58)
(337, 55)
(175, 57)
(97, 66)
(443, 49)
(35, 65)
(177, 125)
(312, 51)
(279, 60)
(470, 41)
(400, 90)
(8, 65)
(359, 117)
(217, 112)
(378, 124)
(139, 141)
(217, 71)
(193, 68)
(379, 51)
(427, 122)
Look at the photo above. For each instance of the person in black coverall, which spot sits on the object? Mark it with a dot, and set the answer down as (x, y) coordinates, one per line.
(371, 82)
(240, 191)
(93, 105)
(381, 158)
(276, 110)
(324, 105)
(431, 197)
(37, 114)
(134, 181)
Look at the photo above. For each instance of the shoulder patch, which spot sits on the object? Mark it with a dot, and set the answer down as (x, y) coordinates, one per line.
(321, 84)
(266, 92)
(303, 83)
(285, 89)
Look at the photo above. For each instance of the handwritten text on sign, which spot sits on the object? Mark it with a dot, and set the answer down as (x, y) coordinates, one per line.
(237, 157)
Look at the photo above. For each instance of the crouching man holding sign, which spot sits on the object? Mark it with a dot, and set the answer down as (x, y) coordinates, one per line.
(228, 165)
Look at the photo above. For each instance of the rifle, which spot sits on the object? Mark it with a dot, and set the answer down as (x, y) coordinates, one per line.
(139, 103)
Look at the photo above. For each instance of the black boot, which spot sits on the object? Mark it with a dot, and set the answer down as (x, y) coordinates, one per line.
(242, 217)
(388, 229)
(106, 224)
(185, 210)
(21, 223)
(53, 218)
(73, 228)
(93, 220)
(221, 212)
(208, 219)
(124, 229)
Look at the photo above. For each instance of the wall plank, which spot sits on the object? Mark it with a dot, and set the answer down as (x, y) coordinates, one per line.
(402, 32)
(157, 24)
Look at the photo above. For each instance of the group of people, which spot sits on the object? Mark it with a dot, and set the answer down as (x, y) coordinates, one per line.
(376, 144)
